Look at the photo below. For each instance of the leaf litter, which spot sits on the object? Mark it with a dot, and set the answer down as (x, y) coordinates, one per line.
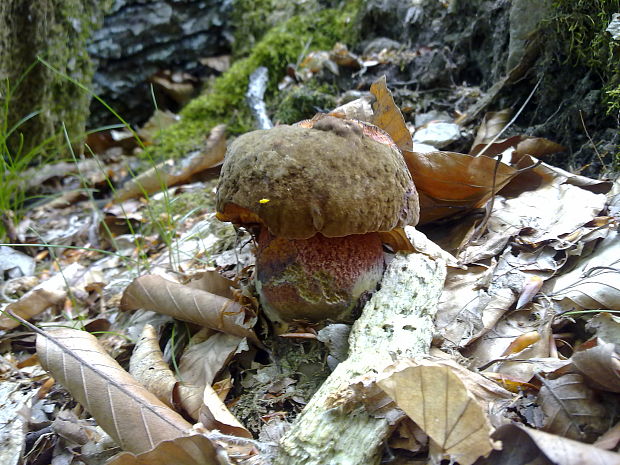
(526, 338)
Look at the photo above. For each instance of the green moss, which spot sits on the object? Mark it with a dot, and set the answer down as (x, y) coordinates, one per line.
(581, 28)
(224, 101)
(285, 386)
(57, 31)
(202, 200)
(302, 102)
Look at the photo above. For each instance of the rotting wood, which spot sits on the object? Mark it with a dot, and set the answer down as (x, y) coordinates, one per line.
(396, 323)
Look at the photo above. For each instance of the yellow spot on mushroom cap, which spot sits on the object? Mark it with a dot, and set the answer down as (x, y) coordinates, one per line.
(263, 200)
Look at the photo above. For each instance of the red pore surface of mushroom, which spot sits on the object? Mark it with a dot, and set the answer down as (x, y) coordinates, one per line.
(321, 278)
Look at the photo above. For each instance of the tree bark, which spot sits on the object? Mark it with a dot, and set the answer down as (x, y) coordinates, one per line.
(57, 31)
(396, 323)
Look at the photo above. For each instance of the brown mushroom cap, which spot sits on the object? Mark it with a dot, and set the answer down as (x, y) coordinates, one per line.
(329, 179)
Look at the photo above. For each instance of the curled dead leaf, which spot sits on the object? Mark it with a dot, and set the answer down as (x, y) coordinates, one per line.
(189, 450)
(147, 365)
(173, 172)
(522, 445)
(152, 292)
(450, 183)
(388, 117)
(435, 398)
(134, 417)
(598, 361)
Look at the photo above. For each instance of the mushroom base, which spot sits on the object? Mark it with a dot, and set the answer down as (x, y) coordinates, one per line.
(316, 279)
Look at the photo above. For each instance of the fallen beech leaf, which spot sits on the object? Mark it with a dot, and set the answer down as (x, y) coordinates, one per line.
(159, 120)
(50, 293)
(537, 147)
(462, 304)
(610, 439)
(508, 383)
(571, 409)
(147, 365)
(605, 326)
(134, 417)
(598, 361)
(522, 445)
(534, 174)
(498, 147)
(522, 342)
(215, 415)
(170, 172)
(213, 282)
(388, 117)
(201, 362)
(189, 397)
(492, 124)
(360, 109)
(152, 292)
(486, 352)
(530, 289)
(537, 217)
(436, 399)
(595, 281)
(188, 450)
(449, 183)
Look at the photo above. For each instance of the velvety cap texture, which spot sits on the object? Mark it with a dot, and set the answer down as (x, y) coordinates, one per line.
(329, 179)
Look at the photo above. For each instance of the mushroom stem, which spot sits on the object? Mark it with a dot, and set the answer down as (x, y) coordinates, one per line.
(316, 279)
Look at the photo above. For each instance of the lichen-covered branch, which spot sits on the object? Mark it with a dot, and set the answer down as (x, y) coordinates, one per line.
(396, 323)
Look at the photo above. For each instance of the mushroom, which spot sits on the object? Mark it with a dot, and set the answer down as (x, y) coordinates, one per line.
(320, 194)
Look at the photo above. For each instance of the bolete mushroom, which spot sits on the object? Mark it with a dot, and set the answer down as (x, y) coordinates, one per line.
(320, 196)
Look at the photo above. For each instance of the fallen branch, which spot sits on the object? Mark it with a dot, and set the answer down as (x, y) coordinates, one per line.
(396, 323)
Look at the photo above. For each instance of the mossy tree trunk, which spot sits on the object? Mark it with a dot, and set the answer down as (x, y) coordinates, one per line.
(57, 31)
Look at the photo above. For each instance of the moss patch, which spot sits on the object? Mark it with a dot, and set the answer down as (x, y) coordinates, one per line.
(579, 96)
(224, 101)
(581, 26)
(57, 31)
(302, 102)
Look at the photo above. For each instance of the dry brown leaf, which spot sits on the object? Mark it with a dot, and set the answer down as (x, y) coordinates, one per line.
(449, 183)
(213, 282)
(522, 342)
(134, 417)
(30, 305)
(488, 349)
(408, 436)
(509, 383)
(484, 391)
(188, 450)
(147, 365)
(159, 120)
(522, 445)
(598, 361)
(189, 397)
(388, 117)
(594, 283)
(536, 218)
(570, 408)
(435, 398)
(498, 147)
(605, 326)
(610, 439)
(537, 147)
(170, 172)
(50, 293)
(462, 303)
(201, 362)
(152, 292)
(492, 124)
(359, 109)
(215, 415)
